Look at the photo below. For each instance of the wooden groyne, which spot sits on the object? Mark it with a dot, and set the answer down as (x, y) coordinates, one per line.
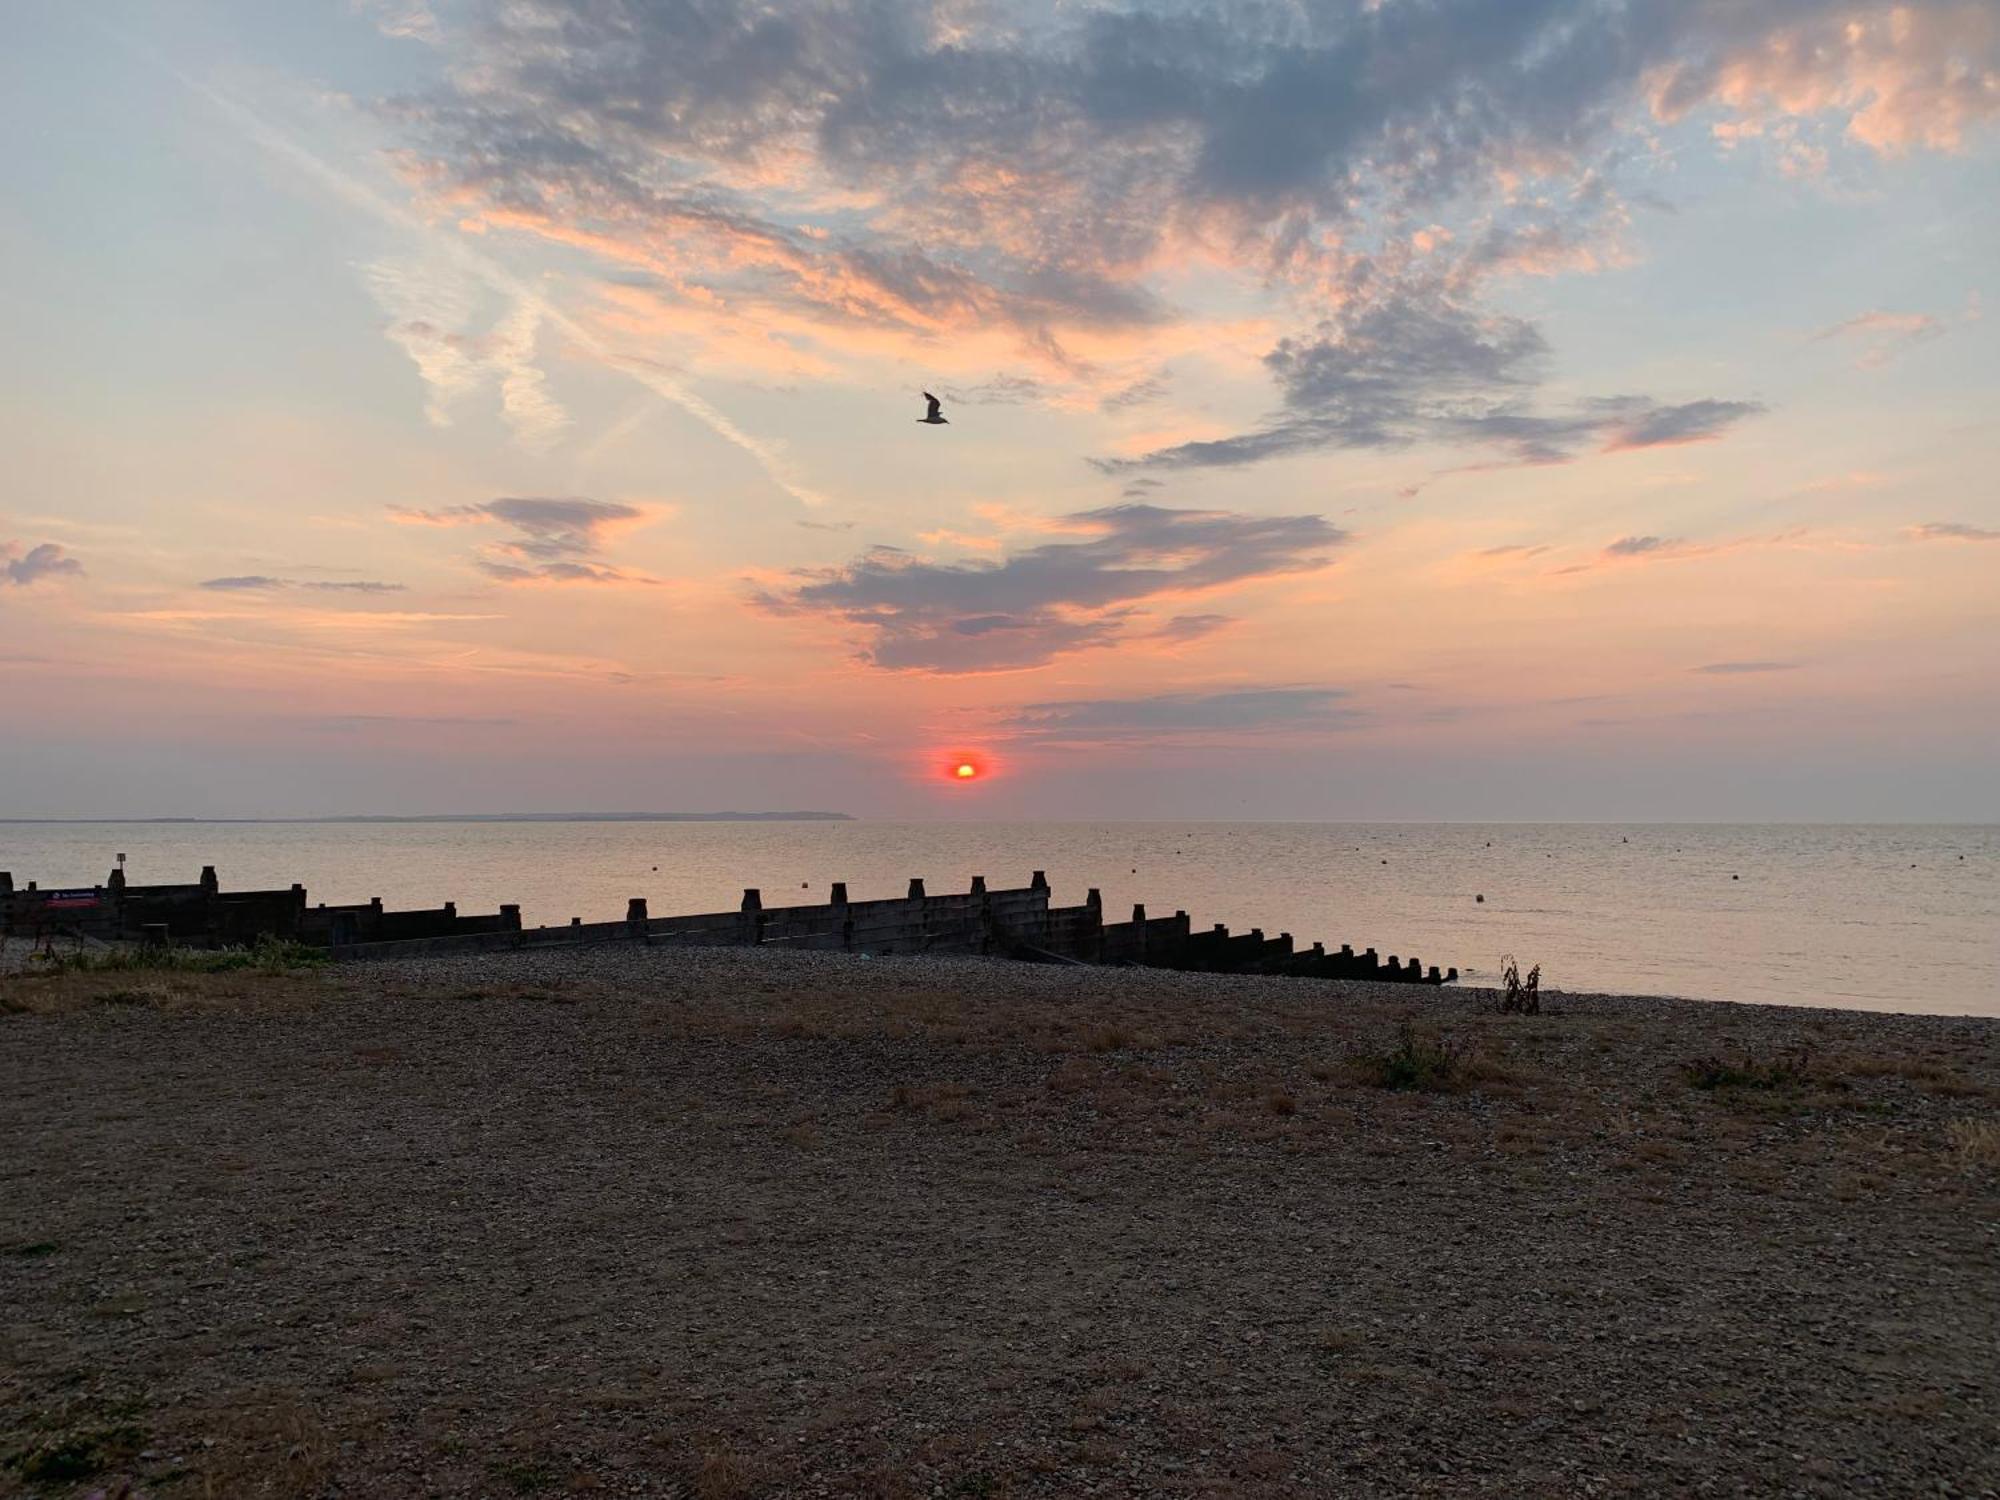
(1016, 923)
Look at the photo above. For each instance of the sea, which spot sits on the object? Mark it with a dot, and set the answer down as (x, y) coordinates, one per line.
(1875, 917)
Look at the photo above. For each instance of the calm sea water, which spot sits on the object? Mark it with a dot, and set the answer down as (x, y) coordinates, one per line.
(1877, 917)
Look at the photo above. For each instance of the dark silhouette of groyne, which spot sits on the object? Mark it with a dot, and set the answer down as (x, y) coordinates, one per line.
(1018, 923)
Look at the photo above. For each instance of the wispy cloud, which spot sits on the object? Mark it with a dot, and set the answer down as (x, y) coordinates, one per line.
(422, 721)
(432, 304)
(1182, 628)
(553, 536)
(349, 189)
(410, 19)
(1951, 531)
(1638, 546)
(1164, 716)
(1884, 335)
(258, 582)
(1052, 599)
(1745, 668)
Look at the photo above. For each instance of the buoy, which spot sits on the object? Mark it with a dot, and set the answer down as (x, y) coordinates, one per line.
(1736, 877)
(1478, 898)
(1385, 861)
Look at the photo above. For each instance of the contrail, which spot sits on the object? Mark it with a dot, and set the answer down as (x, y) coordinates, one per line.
(495, 276)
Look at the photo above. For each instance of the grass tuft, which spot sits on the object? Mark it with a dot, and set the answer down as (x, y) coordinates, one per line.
(70, 1456)
(1974, 1143)
(268, 955)
(1792, 1069)
(1417, 1061)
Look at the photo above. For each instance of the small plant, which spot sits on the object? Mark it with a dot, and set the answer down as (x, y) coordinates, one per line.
(1518, 996)
(1432, 1064)
(523, 1476)
(77, 1455)
(60, 1459)
(1747, 1071)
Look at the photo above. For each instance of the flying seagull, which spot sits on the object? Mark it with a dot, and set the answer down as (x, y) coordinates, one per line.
(933, 416)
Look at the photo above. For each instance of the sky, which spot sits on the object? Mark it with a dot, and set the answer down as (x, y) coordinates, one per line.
(1401, 409)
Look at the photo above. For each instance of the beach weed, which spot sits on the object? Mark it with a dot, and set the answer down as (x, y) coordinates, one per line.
(1418, 1061)
(1518, 996)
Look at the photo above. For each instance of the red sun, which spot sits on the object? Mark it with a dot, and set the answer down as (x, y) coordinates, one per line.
(963, 766)
(960, 768)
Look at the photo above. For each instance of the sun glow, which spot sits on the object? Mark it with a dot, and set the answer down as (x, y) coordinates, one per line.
(965, 770)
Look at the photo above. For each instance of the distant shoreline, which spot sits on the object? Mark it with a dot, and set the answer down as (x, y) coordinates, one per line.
(536, 817)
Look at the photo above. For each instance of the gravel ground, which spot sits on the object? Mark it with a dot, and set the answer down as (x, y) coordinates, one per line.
(726, 1223)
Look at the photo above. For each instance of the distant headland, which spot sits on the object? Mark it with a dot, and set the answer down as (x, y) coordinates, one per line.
(512, 817)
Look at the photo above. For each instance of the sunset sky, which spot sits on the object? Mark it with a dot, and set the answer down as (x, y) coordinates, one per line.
(1375, 409)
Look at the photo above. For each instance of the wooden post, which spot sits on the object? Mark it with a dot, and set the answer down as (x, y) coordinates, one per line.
(846, 922)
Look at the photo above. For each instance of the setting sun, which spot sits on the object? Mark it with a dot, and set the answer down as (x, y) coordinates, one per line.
(966, 770)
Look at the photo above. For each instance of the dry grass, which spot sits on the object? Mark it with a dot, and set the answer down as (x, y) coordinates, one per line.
(71, 992)
(1790, 1069)
(1974, 1143)
(723, 1475)
(271, 1446)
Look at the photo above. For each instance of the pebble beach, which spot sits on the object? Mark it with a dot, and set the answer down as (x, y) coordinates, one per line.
(717, 1223)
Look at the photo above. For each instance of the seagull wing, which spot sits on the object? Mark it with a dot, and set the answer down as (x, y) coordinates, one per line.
(934, 404)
